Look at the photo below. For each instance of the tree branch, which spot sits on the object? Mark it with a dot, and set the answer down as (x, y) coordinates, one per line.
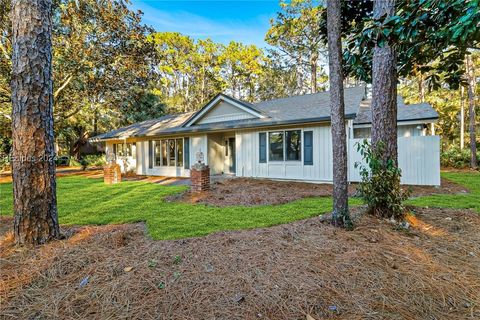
(9, 117)
(65, 83)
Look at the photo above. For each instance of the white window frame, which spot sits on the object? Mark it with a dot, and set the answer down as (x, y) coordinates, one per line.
(168, 153)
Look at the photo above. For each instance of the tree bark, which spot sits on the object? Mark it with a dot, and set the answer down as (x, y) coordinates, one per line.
(462, 118)
(34, 183)
(421, 87)
(471, 111)
(384, 90)
(313, 72)
(339, 136)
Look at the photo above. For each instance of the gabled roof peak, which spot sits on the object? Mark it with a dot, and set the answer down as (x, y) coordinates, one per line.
(245, 106)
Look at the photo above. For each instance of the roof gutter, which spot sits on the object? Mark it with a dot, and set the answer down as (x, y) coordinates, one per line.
(404, 120)
(226, 127)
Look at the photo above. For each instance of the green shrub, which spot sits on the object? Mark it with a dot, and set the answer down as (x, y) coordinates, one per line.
(455, 157)
(4, 162)
(5, 148)
(95, 160)
(90, 160)
(74, 162)
(380, 186)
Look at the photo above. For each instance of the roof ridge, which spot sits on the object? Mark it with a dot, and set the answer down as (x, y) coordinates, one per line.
(305, 94)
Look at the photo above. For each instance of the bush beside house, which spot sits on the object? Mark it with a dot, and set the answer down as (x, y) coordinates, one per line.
(455, 157)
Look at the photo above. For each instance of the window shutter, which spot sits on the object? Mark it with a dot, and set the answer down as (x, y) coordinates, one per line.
(308, 148)
(186, 153)
(150, 154)
(263, 147)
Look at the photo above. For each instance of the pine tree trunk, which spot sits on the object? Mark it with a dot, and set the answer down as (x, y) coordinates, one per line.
(384, 90)
(339, 136)
(421, 88)
(313, 72)
(462, 118)
(34, 184)
(471, 111)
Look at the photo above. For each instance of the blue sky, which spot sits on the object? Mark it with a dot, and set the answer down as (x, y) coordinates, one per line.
(222, 21)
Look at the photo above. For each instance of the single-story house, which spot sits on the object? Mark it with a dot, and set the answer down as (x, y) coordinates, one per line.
(287, 138)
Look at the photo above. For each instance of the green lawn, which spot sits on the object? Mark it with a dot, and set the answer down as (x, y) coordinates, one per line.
(89, 201)
(471, 200)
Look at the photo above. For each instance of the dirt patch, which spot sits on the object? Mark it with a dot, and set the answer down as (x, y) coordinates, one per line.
(252, 192)
(285, 272)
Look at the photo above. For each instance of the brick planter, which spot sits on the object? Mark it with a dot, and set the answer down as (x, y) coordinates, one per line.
(112, 174)
(200, 177)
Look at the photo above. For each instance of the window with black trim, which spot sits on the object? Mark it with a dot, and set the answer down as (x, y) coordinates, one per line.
(293, 145)
(285, 145)
(275, 146)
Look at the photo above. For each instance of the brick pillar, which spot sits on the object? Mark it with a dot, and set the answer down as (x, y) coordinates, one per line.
(200, 177)
(112, 173)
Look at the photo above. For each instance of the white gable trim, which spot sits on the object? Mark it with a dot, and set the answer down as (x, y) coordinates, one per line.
(214, 102)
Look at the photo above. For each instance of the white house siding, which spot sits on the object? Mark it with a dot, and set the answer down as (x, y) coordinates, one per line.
(141, 164)
(248, 165)
(142, 160)
(224, 112)
(197, 144)
(126, 163)
(418, 158)
(411, 130)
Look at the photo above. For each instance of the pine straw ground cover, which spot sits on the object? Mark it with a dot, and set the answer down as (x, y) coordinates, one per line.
(255, 192)
(429, 271)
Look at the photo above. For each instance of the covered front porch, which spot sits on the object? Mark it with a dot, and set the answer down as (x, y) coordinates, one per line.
(221, 153)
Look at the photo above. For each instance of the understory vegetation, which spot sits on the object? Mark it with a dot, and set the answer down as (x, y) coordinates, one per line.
(87, 201)
(89, 160)
(455, 157)
(380, 185)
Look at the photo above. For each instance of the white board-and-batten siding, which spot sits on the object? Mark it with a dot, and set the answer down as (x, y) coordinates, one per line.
(248, 157)
(197, 144)
(418, 158)
(224, 112)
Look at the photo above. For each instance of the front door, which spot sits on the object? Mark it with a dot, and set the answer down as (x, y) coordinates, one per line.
(231, 155)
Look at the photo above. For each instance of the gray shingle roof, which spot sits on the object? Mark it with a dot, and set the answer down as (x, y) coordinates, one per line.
(405, 112)
(306, 106)
(292, 110)
(146, 128)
